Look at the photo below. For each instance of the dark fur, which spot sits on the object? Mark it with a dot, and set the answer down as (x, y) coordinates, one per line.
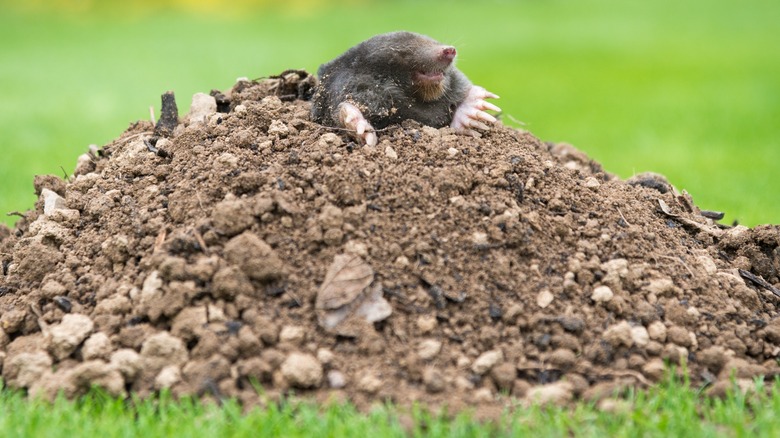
(377, 76)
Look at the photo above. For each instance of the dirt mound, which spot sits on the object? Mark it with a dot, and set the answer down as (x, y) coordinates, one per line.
(252, 246)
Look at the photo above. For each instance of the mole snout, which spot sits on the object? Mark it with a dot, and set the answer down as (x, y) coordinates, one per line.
(448, 54)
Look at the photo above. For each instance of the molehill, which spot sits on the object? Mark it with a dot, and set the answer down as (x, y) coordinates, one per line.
(246, 246)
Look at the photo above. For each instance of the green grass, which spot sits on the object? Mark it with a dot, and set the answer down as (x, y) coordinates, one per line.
(670, 410)
(688, 89)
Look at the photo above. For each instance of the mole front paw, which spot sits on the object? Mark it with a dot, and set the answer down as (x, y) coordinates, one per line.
(352, 119)
(470, 114)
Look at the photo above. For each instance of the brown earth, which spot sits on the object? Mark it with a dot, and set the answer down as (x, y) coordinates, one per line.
(254, 246)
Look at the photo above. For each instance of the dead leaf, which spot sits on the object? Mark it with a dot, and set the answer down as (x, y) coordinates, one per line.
(347, 277)
(347, 300)
(374, 308)
(665, 208)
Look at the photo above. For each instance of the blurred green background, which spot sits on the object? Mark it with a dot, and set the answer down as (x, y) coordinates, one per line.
(688, 89)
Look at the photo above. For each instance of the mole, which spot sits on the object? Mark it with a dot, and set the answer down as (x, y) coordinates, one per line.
(397, 76)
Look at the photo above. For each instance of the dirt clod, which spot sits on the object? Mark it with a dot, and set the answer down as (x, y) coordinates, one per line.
(264, 248)
(302, 370)
(63, 338)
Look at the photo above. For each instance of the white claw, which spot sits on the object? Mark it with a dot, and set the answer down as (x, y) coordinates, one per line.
(479, 125)
(481, 115)
(370, 138)
(352, 119)
(470, 113)
(488, 106)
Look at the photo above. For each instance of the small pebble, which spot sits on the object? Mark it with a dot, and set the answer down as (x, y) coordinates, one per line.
(336, 379)
(640, 336)
(544, 298)
(428, 349)
(302, 370)
(426, 324)
(486, 361)
(602, 294)
(657, 331)
(479, 238)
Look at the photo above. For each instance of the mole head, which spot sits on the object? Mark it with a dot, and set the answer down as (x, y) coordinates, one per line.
(417, 61)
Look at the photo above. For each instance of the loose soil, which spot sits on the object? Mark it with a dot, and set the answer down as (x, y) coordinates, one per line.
(247, 245)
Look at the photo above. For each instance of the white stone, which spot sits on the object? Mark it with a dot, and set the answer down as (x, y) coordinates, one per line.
(302, 370)
(51, 201)
(592, 183)
(657, 331)
(292, 333)
(203, 105)
(479, 238)
(391, 153)
(428, 349)
(544, 298)
(640, 336)
(402, 261)
(336, 379)
(216, 314)
(486, 361)
(602, 294)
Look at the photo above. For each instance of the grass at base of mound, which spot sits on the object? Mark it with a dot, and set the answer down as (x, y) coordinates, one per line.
(671, 409)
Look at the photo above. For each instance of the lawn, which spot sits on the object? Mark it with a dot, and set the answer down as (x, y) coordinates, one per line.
(687, 89)
(672, 409)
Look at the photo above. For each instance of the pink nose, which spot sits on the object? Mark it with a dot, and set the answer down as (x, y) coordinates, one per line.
(448, 53)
